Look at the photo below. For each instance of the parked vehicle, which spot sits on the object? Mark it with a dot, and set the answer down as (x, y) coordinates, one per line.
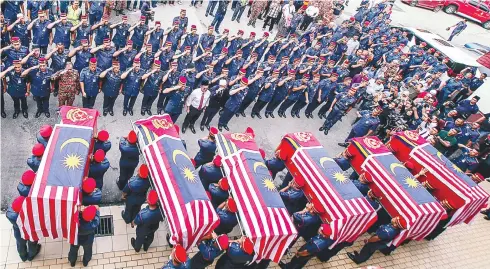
(475, 10)
(477, 48)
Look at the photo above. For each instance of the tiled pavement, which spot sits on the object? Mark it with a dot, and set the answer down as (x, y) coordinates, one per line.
(464, 246)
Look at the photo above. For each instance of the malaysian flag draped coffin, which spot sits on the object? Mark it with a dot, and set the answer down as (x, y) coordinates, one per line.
(188, 211)
(399, 192)
(262, 214)
(71, 115)
(51, 209)
(449, 183)
(346, 210)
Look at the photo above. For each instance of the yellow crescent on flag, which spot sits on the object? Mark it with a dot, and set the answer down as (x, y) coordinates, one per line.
(439, 155)
(257, 164)
(74, 140)
(395, 165)
(324, 159)
(179, 152)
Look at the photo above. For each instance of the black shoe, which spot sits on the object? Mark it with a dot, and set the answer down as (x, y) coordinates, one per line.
(258, 116)
(202, 128)
(220, 128)
(282, 265)
(243, 114)
(252, 115)
(111, 113)
(15, 115)
(184, 129)
(321, 129)
(271, 114)
(72, 264)
(142, 112)
(325, 132)
(311, 116)
(24, 113)
(343, 144)
(35, 254)
(267, 115)
(207, 127)
(104, 113)
(226, 127)
(192, 129)
(55, 94)
(297, 115)
(23, 259)
(220, 112)
(37, 114)
(133, 241)
(237, 115)
(160, 111)
(4, 115)
(168, 240)
(85, 263)
(125, 112)
(149, 112)
(321, 116)
(352, 256)
(47, 114)
(145, 248)
(131, 112)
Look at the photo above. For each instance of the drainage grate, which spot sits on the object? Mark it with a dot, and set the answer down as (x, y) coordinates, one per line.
(106, 226)
(443, 42)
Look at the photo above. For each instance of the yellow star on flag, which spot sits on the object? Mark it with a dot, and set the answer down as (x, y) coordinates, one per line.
(411, 182)
(189, 174)
(339, 177)
(72, 161)
(269, 184)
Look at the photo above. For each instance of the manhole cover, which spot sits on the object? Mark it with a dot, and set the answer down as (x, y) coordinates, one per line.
(106, 227)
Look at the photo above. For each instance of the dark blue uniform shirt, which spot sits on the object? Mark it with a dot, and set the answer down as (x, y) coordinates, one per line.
(90, 80)
(40, 82)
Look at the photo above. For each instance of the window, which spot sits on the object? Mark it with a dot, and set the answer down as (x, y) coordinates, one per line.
(474, 3)
(484, 8)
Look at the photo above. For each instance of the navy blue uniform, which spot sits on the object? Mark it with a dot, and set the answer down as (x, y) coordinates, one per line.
(313, 246)
(41, 87)
(139, 36)
(86, 235)
(91, 86)
(97, 171)
(306, 224)
(26, 249)
(228, 221)
(232, 105)
(104, 58)
(208, 251)
(23, 189)
(344, 102)
(176, 102)
(33, 162)
(62, 33)
(218, 195)
(466, 162)
(103, 145)
(234, 258)
(131, 88)
(293, 199)
(82, 59)
(121, 36)
(135, 189)
(209, 173)
(367, 122)
(280, 94)
(83, 32)
(17, 88)
(12, 54)
(126, 59)
(147, 221)
(275, 165)
(207, 149)
(130, 157)
(386, 233)
(343, 163)
(93, 198)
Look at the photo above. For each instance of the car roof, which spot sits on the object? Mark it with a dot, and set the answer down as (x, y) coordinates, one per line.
(456, 54)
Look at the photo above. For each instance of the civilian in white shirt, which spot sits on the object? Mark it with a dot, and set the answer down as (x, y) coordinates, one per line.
(195, 104)
(311, 13)
(352, 45)
(375, 86)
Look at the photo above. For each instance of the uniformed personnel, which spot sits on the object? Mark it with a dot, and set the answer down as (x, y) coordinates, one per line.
(129, 158)
(228, 219)
(98, 167)
(91, 195)
(24, 186)
(88, 223)
(134, 194)
(102, 141)
(207, 148)
(35, 160)
(219, 192)
(211, 172)
(210, 248)
(147, 221)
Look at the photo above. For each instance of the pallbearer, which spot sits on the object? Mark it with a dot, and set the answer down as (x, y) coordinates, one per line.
(207, 148)
(147, 222)
(228, 220)
(210, 248)
(239, 253)
(91, 195)
(178, 259)
(24, 186)
(44, 134)
(35, 160)
(219, 191)
(130, 157)
(98, 167)
(134, 193)
(102, 141)
(89, 221)
(211, 172)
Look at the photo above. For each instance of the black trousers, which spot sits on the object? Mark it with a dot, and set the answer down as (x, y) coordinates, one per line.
(312, 106)
(258, 106)
(129, 101)
(271, 21)
(20, 102)
(209, 114)
(43, 49)
(273, 105)
(306, 21)
(109, 101)
(42, 103)
(147, 102)
(143, 239)
(3, 103)
(245, 104)
(285, 105)
(368, 250)
(191, 117)
(89, 101)
(87, 249)
(297, 107)
(298, 262)
(162, 101)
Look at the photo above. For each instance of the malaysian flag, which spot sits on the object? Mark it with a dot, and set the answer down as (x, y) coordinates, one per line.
(346, 209)
(401, 194)
(450, 183)
(51, 209)
(189, 213)
(262, 214)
